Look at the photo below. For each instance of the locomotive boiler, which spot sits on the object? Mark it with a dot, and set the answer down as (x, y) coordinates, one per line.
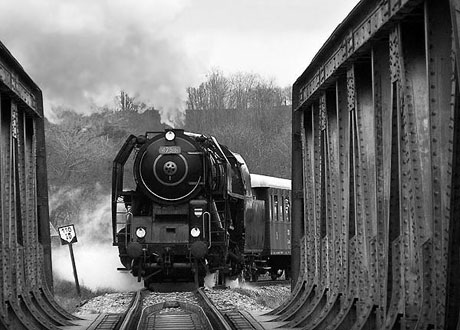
(188, 212)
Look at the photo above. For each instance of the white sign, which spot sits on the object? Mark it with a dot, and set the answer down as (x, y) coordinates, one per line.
(67, 234)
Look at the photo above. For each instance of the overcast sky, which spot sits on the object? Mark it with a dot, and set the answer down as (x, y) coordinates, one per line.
(82, 52)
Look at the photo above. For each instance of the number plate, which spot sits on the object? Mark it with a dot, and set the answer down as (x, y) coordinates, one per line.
(169, 150)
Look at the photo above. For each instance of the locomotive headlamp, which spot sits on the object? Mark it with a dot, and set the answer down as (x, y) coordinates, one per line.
(170, 135)
(195, 232)
(140, 232)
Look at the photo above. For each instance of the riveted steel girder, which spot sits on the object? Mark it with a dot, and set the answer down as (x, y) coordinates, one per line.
(377, 120)
(25, 249)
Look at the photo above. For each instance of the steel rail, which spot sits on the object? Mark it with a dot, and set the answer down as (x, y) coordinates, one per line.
(131, 318)
(260, 283)
(216, 315)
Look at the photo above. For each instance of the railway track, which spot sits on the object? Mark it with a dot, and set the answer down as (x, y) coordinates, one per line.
(269, 282)
(197, 313)
(228, 319)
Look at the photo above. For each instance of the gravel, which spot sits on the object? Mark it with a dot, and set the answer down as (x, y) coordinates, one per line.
(107, 303)
(157, 297)
(229, 299)
(249, 298)
(243, 297)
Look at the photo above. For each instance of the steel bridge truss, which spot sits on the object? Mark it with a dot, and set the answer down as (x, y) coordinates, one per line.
(25, 247)
(376, 164)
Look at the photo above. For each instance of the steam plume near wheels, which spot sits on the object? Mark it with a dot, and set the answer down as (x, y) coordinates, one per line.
(95, 257)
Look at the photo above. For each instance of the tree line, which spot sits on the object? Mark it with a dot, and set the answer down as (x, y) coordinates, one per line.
(250, 115)
(240, 91)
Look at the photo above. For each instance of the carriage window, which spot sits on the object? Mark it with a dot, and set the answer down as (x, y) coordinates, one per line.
(281, 212)
(286, 209)
(275, 208)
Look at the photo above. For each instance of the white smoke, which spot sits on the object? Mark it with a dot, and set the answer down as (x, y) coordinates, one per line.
(96, 259)
(96, 267)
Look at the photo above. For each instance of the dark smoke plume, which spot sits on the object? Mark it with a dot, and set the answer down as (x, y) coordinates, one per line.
(82, 53)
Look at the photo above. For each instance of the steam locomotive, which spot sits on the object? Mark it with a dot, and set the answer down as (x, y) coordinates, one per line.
(195, 209)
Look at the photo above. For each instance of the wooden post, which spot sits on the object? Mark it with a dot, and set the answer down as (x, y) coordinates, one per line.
(75, 275)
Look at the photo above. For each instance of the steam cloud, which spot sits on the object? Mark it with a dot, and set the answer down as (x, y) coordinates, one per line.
(82, 53)
(95, 258)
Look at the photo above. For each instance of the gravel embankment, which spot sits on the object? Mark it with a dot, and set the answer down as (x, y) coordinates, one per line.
(107, 303)
(249, 298)
(158, 297)
(245, 297)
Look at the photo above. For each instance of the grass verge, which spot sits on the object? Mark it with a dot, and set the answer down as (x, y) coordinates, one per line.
(65, 294)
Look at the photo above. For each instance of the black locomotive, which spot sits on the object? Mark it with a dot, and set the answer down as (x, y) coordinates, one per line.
(193, 211)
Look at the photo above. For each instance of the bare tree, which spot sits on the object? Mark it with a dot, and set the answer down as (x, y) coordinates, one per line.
(198, 98)
(241, 85)
(211, 94)
(217, 86)
(125, 102)
(74, 147)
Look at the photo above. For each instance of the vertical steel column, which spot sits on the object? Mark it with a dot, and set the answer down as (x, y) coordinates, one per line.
(309, 195)
(351, 175)
(455, 18)
(297, 223)
(393, 222)
(334, 224)
(365, 178)
(439, 33)
(324, 219)
(42, 200)
(381, 96)
(19, 199)
(453, 261)
(414, 159)
(32, 244)
(317, 167)
(6, 197)
(2, 216)
(343, 188)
